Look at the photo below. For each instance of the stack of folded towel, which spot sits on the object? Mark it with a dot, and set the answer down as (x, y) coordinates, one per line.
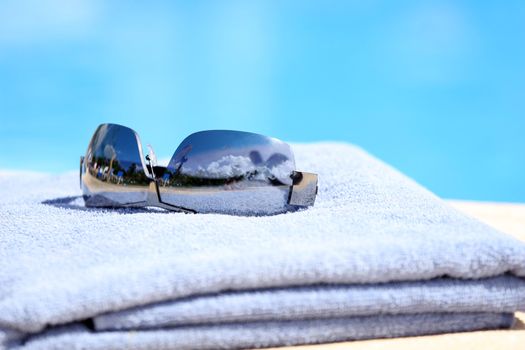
(377, 256)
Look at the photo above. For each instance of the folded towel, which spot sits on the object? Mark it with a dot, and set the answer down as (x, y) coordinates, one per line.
(377, 256)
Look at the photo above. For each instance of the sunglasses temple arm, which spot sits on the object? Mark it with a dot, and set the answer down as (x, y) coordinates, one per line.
(304, 189)
(80, 172)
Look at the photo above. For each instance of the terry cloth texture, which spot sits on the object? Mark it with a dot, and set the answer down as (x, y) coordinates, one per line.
(377, 256)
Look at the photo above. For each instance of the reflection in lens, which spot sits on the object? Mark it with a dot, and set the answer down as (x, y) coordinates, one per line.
(229, 171)
(113, 172)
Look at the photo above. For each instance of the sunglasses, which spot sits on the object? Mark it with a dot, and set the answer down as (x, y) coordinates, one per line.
(213, 171)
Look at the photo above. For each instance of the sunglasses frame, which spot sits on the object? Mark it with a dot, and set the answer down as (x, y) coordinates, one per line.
(302, 192)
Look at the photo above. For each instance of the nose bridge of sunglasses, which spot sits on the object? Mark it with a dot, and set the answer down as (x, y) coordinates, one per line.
(156, 171)
(151, 158)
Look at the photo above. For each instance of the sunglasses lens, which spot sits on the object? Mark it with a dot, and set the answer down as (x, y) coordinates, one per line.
(230, 172)
(113, 172)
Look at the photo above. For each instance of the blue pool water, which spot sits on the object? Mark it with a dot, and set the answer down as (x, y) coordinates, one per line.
(436, 88)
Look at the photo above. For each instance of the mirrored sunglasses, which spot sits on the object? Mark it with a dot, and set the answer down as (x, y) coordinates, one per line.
(213, 171)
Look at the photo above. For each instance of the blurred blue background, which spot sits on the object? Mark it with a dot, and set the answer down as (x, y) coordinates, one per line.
(435, 88)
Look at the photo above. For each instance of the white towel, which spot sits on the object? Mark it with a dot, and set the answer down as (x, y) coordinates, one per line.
(377, 256)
